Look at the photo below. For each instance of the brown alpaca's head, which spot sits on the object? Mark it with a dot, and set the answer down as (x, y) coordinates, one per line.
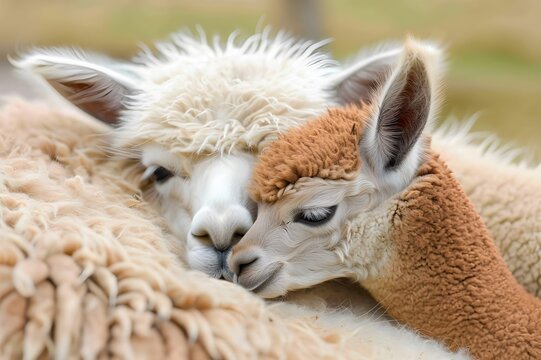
(316, 179)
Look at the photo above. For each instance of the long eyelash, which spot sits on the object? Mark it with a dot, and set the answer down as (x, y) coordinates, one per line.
(316, 213)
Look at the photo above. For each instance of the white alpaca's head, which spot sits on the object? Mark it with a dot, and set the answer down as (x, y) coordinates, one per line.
(195, 115)
(312, 182)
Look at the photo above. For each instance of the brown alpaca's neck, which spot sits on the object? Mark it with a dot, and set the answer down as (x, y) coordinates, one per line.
(446, 278)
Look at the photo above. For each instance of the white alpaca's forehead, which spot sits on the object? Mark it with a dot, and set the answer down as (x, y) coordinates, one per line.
(206, 100)
(153, 156)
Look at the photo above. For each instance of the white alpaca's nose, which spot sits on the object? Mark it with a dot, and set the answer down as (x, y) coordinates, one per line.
(221, 229)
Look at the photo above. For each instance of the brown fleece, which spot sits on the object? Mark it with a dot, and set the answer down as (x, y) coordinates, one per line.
(446, 277)
(326, 147)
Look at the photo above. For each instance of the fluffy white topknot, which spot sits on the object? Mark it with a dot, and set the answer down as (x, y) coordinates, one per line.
(203, 98)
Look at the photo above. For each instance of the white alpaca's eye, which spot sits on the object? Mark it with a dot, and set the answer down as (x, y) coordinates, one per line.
(315, 216)
(161, 174)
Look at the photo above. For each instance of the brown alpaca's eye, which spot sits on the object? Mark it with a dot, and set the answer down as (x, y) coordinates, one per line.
(161, 175)
(315, 216)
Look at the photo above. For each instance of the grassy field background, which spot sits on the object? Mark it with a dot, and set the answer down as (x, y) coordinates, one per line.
(494, 46)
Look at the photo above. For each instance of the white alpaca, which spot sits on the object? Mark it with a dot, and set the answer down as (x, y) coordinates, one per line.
(358, 193)
(196, 113)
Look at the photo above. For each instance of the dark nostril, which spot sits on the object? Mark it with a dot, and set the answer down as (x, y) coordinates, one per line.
(245, 265)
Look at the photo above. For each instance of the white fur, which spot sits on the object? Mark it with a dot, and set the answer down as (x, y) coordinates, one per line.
(204, 204)
(109, 79)
(215, 99)
(361, 320)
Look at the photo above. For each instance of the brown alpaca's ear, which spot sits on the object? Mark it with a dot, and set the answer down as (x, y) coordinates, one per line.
(96, 84)
(403, 106)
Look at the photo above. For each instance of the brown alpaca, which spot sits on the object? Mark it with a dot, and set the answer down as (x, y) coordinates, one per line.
(358, 193)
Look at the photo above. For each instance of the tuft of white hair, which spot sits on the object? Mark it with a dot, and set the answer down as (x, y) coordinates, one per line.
(201, 97)
(466, 143)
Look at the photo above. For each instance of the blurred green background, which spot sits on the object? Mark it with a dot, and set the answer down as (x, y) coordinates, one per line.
(494, 46)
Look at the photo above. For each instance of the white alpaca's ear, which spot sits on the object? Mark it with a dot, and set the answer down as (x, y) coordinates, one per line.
(365, 73)
(368, 71)
(392, 145)
(96, 84)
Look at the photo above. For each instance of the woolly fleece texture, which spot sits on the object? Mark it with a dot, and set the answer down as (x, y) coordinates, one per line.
(195, 96)
(505, 192)
(87, 269)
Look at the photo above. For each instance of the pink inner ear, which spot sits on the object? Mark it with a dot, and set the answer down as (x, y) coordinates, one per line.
(98, 107)
(404, 112)
(417, 94)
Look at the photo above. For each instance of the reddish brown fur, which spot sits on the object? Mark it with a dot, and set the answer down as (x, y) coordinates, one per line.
(326, 147)
(447, 278)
